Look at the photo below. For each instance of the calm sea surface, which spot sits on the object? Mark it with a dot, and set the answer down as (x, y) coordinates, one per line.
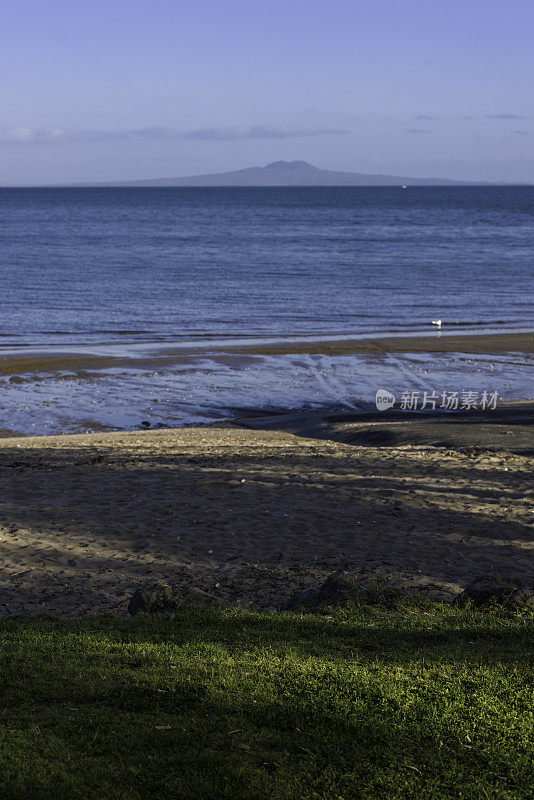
(134, 270)
(166, 265)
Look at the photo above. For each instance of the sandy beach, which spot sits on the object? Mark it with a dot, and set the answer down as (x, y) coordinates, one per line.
(252, 514)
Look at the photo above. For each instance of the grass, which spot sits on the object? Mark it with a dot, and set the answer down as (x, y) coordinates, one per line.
(367, 703)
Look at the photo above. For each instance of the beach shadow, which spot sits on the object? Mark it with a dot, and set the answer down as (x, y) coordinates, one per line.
(119, 516)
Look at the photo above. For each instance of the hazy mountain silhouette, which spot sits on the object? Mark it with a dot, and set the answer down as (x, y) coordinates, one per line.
(292, 173)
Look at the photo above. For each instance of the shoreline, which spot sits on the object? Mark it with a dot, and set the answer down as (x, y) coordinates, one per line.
(14, 362)
(62, 393)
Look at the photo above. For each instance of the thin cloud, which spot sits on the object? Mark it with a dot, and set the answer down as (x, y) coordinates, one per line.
(504, 116)
(24, 135)
(425, 116)
(266, 131)
(418, 130)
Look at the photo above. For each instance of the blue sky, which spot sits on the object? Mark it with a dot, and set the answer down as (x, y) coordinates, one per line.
(135, 89)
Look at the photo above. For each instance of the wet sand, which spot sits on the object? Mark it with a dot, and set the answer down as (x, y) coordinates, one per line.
(16, 363)
(128, 388)
(439, 342)
(508, 429)
(253, 514)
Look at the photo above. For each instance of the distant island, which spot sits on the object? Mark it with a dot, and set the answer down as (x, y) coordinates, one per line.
(292, 173)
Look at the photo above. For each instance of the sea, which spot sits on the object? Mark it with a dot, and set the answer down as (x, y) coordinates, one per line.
(135, 272)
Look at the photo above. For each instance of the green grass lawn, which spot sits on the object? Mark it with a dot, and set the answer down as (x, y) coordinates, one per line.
(367, 703)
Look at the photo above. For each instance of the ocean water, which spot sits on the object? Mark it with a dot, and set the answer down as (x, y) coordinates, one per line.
(99, 266)
(134, 271)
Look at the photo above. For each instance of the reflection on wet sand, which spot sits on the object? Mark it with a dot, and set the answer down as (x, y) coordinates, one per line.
(119, 389)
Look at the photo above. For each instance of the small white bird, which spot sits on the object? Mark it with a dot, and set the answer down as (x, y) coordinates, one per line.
(436, 322)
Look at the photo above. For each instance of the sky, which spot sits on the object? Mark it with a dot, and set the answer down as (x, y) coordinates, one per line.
(127, 89)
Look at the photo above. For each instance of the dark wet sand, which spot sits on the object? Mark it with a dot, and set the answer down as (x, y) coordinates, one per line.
(509, 428)
(16, 364)
(436, 343)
